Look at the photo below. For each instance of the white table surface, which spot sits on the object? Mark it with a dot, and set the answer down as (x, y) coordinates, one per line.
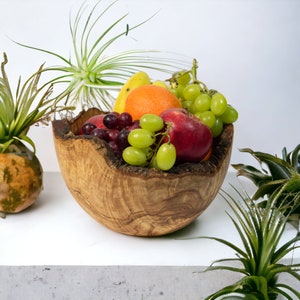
(57, 231)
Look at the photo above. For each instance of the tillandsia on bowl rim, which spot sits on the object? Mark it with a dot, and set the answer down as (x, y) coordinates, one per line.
(94, 76)
(259, 260)
(30, 105)
(281, 174)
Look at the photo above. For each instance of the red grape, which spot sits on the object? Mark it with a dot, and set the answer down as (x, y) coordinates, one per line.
(124, 120)
(122, 139)
(110, 121)
(100, 133)
(112, 134)
(88, 128)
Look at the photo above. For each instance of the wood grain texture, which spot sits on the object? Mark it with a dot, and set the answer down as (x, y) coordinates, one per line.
(133, 200)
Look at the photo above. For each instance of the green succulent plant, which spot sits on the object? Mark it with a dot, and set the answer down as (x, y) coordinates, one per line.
(94, 75)
(30, 105)
(281, 174)
(259, 260)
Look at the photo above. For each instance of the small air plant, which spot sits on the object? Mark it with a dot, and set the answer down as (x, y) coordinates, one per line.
(31, 104)
(95, 75)
(21, 173)
(260, 260)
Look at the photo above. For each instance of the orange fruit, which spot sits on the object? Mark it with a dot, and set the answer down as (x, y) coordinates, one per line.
(150, 99)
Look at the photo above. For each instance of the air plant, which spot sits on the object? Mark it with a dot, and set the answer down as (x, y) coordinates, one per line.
(275, 174)
(94, 75)
(259, 260)
(29, 105)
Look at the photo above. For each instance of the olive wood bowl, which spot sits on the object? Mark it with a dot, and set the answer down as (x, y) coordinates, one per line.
(133, 200)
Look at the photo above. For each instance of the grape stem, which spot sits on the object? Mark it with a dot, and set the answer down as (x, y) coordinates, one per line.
(194, 77)
(162, 136)
(174, 83)
(194, 70)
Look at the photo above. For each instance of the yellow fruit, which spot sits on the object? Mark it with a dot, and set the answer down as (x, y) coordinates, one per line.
(160, 83)
(138, 79)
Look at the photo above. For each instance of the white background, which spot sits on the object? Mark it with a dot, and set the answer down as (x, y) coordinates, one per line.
(247, 49)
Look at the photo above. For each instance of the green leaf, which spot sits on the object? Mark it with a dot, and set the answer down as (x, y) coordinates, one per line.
(27, 140)
(279, 291)
(286, 248)
(294, 158)
(279, 168)
(268, 188)
(252, 173)
(224, 291)
(231, 245)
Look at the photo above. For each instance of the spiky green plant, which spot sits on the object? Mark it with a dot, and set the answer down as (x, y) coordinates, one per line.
(95, 74)
(29, 105)
(259, 260)
(281, 173)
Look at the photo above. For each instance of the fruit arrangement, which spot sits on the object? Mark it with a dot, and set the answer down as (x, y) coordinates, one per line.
(144, 164)
(160, 124)
(139, 201)
(190, 115)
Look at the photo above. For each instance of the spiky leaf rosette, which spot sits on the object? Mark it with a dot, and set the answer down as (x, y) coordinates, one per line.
(95, 75)
(281, 173)
(30, 105)
(259, 260)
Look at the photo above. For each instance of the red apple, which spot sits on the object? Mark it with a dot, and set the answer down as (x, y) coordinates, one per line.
(97, 120)
(191, 138)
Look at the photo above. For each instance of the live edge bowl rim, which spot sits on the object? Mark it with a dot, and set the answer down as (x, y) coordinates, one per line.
(221, 150)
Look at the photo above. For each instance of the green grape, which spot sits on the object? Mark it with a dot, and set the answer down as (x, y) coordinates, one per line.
(173, 91)
(206, 117)
(217, 128)
(179, 91)
(134, 156)
(141, 138)
(230, 115)
(218, 104)
(183, 78)
(148, 152)
(191, 91)
(201, 103)
(187, 104)
(153, 163)
(151, 122)
(165, 156)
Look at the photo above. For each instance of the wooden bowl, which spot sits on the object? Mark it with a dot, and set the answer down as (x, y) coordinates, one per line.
(134, 200)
